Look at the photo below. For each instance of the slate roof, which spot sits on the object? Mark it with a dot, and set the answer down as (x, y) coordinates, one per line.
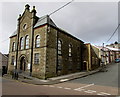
(14, 33)
(41, 21)
(44, 20)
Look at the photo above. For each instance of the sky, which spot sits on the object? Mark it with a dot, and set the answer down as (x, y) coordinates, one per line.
(91, 22)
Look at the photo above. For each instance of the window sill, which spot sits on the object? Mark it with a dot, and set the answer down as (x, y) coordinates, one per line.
(36, 64)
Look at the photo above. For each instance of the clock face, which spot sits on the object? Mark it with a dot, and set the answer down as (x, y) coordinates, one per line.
(24, 26)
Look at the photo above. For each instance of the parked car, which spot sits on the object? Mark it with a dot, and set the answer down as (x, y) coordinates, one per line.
(117, 60)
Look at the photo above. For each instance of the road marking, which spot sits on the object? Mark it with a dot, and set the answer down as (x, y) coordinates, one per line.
(87, 85)
(67, 88)
(44, 80)
(90, 91)
(79, 89)
(62, 80)
(103, 93)
(51, 86)
(59, 87)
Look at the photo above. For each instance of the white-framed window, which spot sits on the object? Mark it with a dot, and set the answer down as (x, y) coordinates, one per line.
(70, 50)
(37, 41)
(27, 42)
(36, 58)
(59, 47)
(13, 46)
(21, 43)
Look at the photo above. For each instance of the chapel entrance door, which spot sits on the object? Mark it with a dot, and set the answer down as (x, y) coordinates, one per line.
(22, 64)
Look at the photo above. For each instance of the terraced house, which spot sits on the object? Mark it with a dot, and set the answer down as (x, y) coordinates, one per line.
(41, 49)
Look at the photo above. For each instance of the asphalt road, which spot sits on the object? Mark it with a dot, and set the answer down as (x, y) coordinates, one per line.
(11, 87)
(109, 78)
(90, 85)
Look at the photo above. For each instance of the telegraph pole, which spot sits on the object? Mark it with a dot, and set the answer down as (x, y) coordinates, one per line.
(103, 60)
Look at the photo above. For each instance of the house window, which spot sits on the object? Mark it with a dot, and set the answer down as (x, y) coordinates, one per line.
(12, 60)
(36, 58)
(93, 60)
(70, 63)
(37, 41)
(96, 61)
(13, 46)
(21, 43)
(59, 62)
(27, 42)
(70, 50)
(59, 47)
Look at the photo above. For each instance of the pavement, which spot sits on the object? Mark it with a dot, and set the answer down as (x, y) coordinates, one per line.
(54, 80)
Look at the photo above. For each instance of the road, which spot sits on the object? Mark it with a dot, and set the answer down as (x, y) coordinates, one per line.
(109, 78)
(90, 85)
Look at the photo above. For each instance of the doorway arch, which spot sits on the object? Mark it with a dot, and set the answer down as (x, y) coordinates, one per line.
(22, 63)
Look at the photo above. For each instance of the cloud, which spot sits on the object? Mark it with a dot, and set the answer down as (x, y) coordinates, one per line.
(92, 22)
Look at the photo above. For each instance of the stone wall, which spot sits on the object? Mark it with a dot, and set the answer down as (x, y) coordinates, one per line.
(52, 57)
(39, 69)
(11, 53)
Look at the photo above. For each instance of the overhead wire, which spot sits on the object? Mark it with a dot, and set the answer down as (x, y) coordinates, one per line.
(61, 7)
(113, 33)
(49, 14)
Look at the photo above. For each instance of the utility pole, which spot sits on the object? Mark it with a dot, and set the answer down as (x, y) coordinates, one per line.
(103, 60)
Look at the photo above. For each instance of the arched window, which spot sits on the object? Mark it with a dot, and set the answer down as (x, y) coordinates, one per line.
(70, 50)
(37, 41)
(21, 43)
(13, 46)
(27, 42)
(59, 47)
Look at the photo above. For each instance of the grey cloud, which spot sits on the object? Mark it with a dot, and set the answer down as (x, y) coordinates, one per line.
(92, 22)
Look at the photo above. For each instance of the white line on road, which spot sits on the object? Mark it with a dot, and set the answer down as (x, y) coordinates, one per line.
(103, 93)
(90, 91)
(87, 85)
(62, 80)
(67, 88)
(59, 87)
(79, 89)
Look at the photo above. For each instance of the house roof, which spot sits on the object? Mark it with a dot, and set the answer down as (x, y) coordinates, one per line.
(113, 49)
(14, 33)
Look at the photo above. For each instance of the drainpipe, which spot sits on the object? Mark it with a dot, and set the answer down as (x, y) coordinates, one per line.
(32, 37)
(89, 50)
(17, 45)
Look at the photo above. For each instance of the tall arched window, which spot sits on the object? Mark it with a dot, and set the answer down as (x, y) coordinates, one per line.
(37, 41)
(27, 42)
(21, 43)
(70, 50)
(59, 47)
(13, 46)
